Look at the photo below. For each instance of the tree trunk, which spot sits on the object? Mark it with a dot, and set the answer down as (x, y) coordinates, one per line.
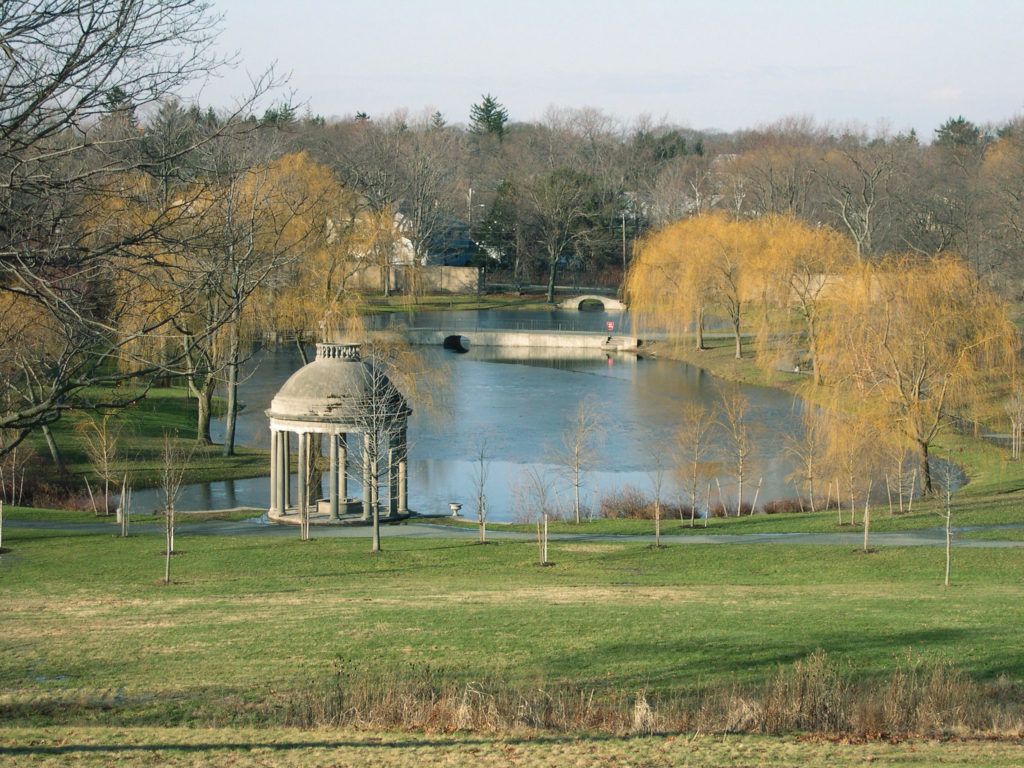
(204, 398)
(375, 505)
(739, 488)
(700, 329)
(812, 350)
(657, 523)
(739, 341)
(576, 490)
(926, 473)
(232, 414)
(552, 268)
(58, 460)
(303, 354)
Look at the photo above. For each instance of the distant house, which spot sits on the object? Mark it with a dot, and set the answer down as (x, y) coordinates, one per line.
(451, 245)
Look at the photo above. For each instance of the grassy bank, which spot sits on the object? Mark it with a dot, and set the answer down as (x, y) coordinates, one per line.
(404, 303)
(139, 432)
(987, 466)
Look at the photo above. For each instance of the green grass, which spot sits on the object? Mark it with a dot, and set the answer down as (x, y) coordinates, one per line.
(87, 516)
(140, 430)
(968, 509)
(994, 534)
(403, 303)
(254, 619)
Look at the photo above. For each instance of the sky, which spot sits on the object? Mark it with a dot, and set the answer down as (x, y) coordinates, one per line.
(882, 66)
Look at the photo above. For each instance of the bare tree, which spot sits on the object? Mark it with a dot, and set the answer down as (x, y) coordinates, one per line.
(101, 446)
(579, 450)
(174, 461)
(693, 443)
(481, 471)
(72, 76)
(381, 416)
(536, 487)
(124, 507)
(1014, 407)
(808, 447)
(858, 179)
(660, 460)
(560, 203)
(734, 422)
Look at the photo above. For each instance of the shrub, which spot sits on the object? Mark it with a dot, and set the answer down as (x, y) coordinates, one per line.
(785, 506)
(629, 502)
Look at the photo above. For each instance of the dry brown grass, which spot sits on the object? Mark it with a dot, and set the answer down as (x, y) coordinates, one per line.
(814, 695)
(289, 748)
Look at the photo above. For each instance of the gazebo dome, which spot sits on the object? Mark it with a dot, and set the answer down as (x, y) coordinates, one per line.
(333, 388)
(336, 396)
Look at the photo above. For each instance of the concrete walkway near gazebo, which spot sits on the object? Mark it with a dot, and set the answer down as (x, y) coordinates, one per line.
(320, 515)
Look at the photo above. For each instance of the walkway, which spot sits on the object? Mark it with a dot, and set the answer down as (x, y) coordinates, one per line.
(932, 537)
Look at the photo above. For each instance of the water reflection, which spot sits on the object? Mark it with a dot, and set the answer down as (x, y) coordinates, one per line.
(521, 401)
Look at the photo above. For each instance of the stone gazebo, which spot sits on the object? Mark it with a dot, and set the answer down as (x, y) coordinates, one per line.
(338, 395)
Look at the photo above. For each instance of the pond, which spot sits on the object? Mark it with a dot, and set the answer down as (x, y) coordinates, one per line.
(521, 402)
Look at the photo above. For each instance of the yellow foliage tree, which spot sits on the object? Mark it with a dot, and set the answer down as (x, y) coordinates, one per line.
(688, 268)
(797, 267)
(916, 340)
(223, 238)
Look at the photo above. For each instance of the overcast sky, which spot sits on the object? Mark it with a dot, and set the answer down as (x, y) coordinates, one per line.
(727, 64)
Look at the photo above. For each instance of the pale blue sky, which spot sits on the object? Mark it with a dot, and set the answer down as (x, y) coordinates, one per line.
(704, 64)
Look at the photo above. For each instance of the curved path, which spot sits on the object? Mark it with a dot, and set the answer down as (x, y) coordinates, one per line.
(424, 530)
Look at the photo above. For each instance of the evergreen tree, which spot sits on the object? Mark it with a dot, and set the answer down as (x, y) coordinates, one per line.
(488, 117)
(437, 122)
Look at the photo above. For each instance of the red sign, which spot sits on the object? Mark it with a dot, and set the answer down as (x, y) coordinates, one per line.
(611, 325)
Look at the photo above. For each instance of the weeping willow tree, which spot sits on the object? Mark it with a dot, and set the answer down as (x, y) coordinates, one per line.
(919, 342)
(795, 272)
(671, 280)
(759, 274)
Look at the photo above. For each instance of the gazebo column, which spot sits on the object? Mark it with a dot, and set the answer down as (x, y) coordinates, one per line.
(343, 466)
(303, 471)
(392, 478)
(333, 480)
(367, 499)
(403, 472)
(275, 468)
(284, 440)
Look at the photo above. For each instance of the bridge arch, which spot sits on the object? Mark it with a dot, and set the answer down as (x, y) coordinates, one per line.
(608, 303)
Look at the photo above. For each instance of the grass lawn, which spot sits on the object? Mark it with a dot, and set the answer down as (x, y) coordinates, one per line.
(139, 432)
(85, 619)
(969, 509)
(97, 658)
(403, 303)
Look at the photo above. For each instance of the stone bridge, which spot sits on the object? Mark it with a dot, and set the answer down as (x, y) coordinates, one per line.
(607, 303)
(493, 337)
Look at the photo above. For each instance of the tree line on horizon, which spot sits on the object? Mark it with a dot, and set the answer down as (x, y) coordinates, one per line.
(142, 237)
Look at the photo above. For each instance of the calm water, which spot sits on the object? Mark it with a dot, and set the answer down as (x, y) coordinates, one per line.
(522, 404)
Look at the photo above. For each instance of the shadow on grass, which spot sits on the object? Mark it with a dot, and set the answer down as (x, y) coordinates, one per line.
(286, 746)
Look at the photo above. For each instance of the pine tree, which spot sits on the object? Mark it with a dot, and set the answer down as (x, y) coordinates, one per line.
(488, 117)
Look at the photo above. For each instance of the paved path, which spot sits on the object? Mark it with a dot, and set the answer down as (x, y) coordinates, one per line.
(425, 530)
